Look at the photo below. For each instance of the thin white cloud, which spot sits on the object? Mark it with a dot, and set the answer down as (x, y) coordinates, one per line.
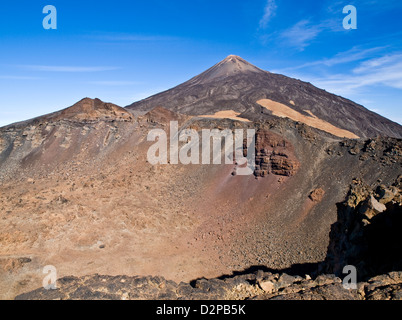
(301, 34)
(378, 62)
(305, 31)
(352, 55)
(115, 83)
(65, 68)
(269, 12)
(6, 77)
(381, 5)
(386, 71)
(334, 6)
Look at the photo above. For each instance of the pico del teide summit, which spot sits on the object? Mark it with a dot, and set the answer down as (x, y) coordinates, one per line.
(235, 84)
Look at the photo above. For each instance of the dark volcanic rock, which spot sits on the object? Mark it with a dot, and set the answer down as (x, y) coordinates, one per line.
(249, 286)
(367, 233)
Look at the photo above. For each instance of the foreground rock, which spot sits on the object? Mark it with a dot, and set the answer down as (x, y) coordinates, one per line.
(367, 233)
(257, 286)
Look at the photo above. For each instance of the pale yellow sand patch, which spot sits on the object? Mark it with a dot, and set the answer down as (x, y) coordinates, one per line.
(281, 110)
(226, 114)
(310, 113)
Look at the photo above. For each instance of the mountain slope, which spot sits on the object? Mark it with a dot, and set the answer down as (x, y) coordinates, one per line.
(234, 84)
(77, 192)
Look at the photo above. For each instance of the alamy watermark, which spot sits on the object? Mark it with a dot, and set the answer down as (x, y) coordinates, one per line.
(235, 145)
(350, 21)
(350, 281)
(50, 21)
(49, 281)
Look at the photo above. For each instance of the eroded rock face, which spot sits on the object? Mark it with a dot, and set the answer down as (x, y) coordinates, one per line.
(367, 233)
(274, 155)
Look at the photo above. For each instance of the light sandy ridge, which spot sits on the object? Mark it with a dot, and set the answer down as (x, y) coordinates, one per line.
(226, 114)
(281, 110)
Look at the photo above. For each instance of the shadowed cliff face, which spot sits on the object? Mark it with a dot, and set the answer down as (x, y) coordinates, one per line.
(367, 233)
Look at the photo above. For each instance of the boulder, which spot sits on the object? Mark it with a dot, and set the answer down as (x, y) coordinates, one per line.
(371, 207)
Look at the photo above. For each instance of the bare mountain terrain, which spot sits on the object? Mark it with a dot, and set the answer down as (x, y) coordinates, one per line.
(235, 84)
(77, 191)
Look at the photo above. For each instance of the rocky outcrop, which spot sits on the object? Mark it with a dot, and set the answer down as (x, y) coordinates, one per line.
(84, 130)
(163, 116)
(367, 233)
(317, 195)
(274, 155)
(257, 286)
(88, 110)
(13, 264)
(386, 151)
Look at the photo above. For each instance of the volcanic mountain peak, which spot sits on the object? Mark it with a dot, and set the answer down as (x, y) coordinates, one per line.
(235, 85)
(231, 65)
(88, 105)
(237, 60)
(85, 110)
(94, 109)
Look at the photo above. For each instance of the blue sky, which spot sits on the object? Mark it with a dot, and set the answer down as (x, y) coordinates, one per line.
(123, 51)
